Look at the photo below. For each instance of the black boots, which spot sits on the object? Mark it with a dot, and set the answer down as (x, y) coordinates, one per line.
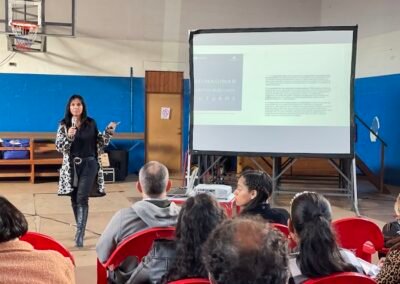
(81, 218)
(75, 209)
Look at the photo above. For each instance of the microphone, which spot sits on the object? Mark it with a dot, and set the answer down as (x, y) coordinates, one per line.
(73, 121)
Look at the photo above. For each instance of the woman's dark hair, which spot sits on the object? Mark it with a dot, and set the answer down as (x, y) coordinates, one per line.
(258, 181)
(198, 217)
(12, 222)
(68, 116)
(311, 219)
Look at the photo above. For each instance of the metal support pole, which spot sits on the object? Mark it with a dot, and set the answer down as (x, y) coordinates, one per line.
(188, 170)
(354, 185)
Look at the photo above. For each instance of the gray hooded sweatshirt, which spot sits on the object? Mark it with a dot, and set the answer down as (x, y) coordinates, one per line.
(141, 215)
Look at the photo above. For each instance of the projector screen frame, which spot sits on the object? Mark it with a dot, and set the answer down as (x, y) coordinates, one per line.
(354, 29)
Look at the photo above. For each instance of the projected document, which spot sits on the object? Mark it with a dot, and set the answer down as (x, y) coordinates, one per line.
(272, 92)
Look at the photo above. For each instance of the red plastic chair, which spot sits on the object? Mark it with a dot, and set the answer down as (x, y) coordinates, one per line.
(285, 230)
(138, 245)
(342, 278)
(360, 235)
(43, 242)
(191, 281)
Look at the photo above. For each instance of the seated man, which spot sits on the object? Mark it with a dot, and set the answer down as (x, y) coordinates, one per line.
(246, 250)
(154, 210)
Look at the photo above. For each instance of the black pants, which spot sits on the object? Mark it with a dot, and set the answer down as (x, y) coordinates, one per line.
(86, 172)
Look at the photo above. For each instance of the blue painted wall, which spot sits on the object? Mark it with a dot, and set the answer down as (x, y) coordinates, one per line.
(37, 102)
(379, 96)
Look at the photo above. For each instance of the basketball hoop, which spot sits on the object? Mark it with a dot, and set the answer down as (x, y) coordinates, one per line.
(24, 34)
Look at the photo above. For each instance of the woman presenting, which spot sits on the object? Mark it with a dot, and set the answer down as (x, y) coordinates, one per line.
(81, 175)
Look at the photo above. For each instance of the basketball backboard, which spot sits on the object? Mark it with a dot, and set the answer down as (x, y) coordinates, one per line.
(51, 17)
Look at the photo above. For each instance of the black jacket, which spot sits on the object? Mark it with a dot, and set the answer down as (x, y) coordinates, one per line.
(273, 215)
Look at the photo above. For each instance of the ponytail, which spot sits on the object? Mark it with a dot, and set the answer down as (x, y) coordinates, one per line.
(319, 254)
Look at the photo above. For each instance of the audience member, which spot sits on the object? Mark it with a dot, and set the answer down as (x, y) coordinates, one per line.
(252, 193)
(155, 210)
(243, 251)
(391, 230)
(317, 252)
(198, 217)
(19, 261)
(390, 271)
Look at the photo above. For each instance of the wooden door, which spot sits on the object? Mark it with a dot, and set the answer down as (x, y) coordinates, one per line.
(164, 119)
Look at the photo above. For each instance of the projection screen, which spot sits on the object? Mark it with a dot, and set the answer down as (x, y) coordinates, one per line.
(273, 91)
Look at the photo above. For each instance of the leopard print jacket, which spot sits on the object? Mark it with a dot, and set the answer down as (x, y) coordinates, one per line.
(390, 272)
(63, 145)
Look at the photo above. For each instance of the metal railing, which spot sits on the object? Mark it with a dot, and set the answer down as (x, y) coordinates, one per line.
(382, 154)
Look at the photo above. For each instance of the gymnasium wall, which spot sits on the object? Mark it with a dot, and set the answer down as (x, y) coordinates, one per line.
(142, 35)
(35, 91)
(152, 35)
(377, 86)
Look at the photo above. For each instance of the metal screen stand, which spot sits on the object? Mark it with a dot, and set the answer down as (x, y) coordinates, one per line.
(348, 175)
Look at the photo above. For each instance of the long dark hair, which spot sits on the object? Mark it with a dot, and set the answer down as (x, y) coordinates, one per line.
(258, 181)
(198, 217)
(12, 222)
(67, 120)
(311, 219)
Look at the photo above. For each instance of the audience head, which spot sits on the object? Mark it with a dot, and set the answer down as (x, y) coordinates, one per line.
(12, 222)
(245, 250)
(68, 114)
(310, 222)
(154, 180)
(253, 188)
(397, 207)
(198, 217)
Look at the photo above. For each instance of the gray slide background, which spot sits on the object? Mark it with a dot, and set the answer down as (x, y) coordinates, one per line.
(272, 139)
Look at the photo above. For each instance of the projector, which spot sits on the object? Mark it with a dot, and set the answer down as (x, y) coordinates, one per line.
(219, 191)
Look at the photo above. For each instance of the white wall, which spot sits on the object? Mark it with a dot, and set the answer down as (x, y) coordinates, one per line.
(170, 20)
(113, 36)
(89, 56)
(152, 34)
(378, 51)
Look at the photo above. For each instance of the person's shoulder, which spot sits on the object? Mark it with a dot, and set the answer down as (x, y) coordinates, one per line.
(124, 211)
(90, 120)
(394, 254)
(282, 211)
(53, 257)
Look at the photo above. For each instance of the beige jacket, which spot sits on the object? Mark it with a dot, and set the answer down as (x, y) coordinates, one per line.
(20, 263)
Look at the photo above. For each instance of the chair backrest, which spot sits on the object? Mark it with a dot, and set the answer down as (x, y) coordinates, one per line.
(43, 242)
(137, 245)
(191, 281)
(353, 233)
(342, 278)
(285, 230)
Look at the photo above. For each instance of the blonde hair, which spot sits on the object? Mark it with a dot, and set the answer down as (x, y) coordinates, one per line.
(397, 206)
